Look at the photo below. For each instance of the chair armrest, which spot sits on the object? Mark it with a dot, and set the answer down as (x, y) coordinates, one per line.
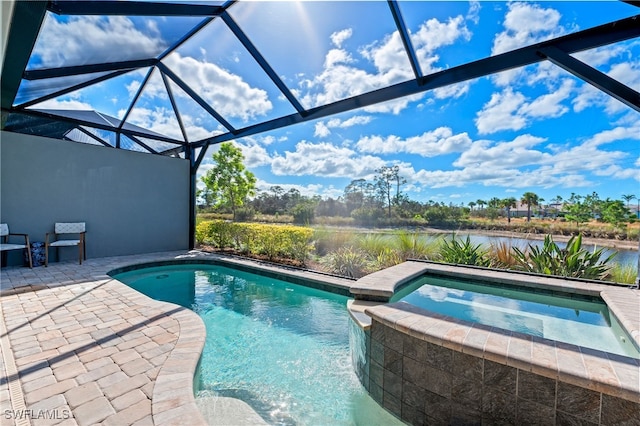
(25, 236)
(46, 237)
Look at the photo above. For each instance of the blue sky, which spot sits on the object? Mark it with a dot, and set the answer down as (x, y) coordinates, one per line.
(535, 128)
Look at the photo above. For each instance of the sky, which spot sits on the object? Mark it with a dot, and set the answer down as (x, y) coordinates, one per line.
(532, 129)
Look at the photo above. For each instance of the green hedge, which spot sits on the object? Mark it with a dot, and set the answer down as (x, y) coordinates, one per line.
(292, 242)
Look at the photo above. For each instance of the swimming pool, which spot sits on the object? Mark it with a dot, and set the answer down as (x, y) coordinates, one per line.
(583, 321)
(280, 347)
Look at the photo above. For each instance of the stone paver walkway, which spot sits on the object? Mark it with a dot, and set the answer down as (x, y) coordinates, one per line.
(81, 348)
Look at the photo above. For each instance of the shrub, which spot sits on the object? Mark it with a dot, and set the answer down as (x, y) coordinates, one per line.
(571, 261)
(625, 274)
(367, 216)
(372, 244)
(218, 233)
(502, 255)
(386, 259)
(416, 246)
(327, 241)
(463, 253)
(347, 261)
(292, 242)
(303, 213)
(245, 214)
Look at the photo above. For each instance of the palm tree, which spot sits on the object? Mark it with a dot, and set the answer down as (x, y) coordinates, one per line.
(630, 197)
(481, 203)
(472, 204)
(508, 203)
(530, 199)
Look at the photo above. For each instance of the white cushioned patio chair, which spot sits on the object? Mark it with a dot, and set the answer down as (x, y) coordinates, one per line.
(6, 245)
(60, 239)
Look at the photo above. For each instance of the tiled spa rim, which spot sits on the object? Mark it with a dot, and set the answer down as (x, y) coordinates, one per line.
(431, 369)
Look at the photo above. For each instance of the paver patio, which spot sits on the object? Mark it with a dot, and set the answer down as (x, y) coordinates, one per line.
(81, 348)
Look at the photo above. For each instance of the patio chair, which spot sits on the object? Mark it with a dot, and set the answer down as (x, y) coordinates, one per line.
(6, 245)
(59, 239)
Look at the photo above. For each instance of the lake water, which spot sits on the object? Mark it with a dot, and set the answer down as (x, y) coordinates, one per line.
(623, 257)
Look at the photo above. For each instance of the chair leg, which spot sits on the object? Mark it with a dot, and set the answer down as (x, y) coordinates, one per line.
(80, 252)
(29, 253)
(29, 257)
(46, 255)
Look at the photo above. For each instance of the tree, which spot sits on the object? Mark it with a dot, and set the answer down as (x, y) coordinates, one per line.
(508, 204)
(472, 204)
(577, 211)
(614, 212)
(385, 179)
(628, 199)
(205, 196)
(557, 202)
(229, 181)
(530, 199)
(481, 203)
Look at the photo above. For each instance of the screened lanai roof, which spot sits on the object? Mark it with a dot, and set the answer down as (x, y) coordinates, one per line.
(187, 74)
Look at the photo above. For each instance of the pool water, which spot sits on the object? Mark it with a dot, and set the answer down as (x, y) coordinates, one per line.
(580, 321)
(280, 347)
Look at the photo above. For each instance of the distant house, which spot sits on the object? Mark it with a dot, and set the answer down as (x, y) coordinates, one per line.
(536, 211)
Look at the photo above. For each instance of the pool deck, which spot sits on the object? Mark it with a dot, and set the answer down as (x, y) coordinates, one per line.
(79, 348)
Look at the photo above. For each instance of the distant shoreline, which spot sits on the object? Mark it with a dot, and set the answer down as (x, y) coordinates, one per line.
(598, 242)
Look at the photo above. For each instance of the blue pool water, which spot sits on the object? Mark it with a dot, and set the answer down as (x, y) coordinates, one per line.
(582, 321)
(280, 347)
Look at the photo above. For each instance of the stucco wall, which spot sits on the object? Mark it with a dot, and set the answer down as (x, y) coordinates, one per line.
(132, 202)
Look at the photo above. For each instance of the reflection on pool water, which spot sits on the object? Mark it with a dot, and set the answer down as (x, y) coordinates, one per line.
(580, 321)
(280, 347)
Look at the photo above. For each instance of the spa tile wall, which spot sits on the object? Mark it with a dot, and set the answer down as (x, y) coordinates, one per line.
(426, 384)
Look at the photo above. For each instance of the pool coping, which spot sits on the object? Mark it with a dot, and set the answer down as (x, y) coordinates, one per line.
(172, 399)
(596, 370)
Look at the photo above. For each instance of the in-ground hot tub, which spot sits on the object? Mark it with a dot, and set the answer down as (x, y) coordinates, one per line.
(428, 367)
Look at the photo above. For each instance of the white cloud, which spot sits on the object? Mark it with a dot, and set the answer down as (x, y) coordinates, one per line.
(473, 14)
(489, 155)
(163, 121)
(430, 144)
(255, 155)
(434, 34)
(326, 160)
(337, 56)
(549, 105)
(64, 104)
(501, 113)
(509, 110)
(92, 39)
(341, 78)
(525, 24)
(323, 129)
(527, 162)
(356, 120)
(627, 73)
(228, 94)
(452, 91)
(601, 55)
(513, 177)
(339, 37)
